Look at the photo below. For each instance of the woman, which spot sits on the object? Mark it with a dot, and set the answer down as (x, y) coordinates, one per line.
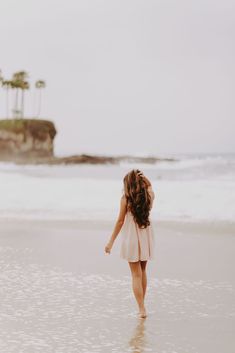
(137, 245)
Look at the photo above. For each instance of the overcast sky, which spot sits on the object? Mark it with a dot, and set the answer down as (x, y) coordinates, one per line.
(127, 76)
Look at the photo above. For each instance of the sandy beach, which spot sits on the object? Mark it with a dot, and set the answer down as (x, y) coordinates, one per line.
(59, 291)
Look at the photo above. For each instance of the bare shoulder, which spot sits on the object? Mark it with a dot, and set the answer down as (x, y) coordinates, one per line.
(123, 208)
(123, 199)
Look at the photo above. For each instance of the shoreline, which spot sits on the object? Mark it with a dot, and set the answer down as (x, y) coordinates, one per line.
(178, 225)
(32, 159)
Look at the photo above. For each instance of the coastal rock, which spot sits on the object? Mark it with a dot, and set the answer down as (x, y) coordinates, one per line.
(92, 159)
(28, 139)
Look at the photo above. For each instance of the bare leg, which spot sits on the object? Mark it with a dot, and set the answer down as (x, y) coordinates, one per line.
(144, 276)
(137, 287)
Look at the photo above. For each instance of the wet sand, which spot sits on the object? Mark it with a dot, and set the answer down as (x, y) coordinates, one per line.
(60, 293)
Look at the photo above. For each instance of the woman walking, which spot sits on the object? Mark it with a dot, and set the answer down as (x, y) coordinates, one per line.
(137, 246)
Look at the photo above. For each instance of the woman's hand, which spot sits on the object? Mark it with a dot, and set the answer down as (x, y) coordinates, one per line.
(144, 178)
(140, 173)
(108, 248)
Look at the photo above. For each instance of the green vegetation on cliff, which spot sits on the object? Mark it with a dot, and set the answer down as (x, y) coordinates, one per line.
(36, 127)
(18, 84)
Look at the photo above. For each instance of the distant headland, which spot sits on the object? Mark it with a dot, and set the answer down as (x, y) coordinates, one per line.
(31, 140)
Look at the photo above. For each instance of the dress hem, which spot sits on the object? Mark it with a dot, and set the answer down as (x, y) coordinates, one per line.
(123, 258)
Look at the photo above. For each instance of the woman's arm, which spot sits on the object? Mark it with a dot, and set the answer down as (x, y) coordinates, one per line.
(118, 225)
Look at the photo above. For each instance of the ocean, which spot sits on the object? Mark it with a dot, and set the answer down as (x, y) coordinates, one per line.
(193, 188)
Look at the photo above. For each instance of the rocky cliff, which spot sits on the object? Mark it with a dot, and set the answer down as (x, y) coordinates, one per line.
(26, 139)
(30, 141)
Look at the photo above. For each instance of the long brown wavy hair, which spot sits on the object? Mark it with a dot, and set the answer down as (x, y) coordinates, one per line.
(138, 197)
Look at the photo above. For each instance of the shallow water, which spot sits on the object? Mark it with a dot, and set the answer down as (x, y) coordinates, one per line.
(46, 309)
(193, 189)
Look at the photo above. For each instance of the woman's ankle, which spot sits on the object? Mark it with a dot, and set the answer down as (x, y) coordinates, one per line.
(141, 307)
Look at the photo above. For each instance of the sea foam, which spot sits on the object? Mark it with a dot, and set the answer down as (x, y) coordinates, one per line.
(191, 190)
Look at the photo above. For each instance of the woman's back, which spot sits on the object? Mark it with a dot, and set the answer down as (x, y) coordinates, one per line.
(137, 243)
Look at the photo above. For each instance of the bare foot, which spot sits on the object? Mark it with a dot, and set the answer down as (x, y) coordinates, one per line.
(142, 313)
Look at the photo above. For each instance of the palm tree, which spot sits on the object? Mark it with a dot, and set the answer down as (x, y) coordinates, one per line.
(19, 82)
(8, 85)
(1, 77)
(39, 85)
(24, 86)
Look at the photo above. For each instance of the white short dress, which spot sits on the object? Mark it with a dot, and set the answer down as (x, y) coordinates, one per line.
(136, 243)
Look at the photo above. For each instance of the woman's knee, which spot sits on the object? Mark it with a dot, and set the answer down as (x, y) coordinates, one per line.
(143, 265)
(137, 274)
(136, 270)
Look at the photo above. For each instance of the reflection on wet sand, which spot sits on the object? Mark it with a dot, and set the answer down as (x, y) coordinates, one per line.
(47, 309)
(137, 342)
